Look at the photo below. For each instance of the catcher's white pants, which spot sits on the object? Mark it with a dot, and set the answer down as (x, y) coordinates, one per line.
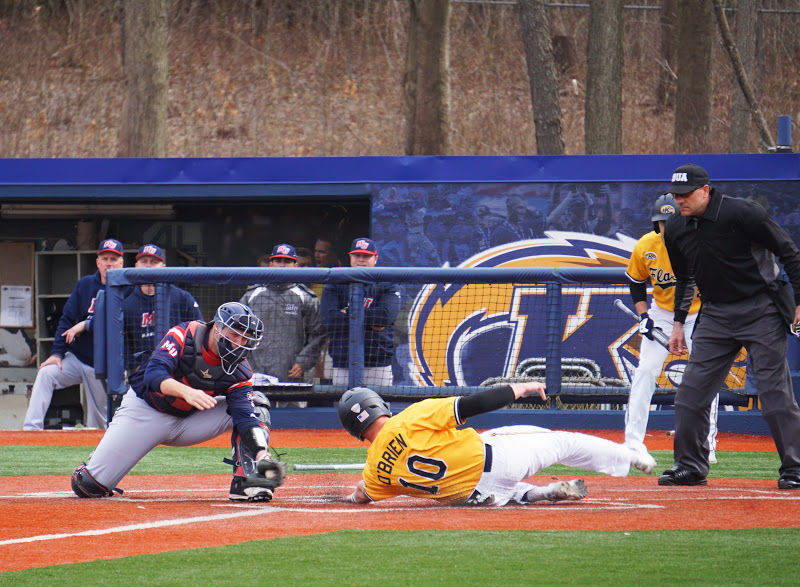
(651, 360)
(521, 451)
(136, 429)
(372, 376)
(73, 372)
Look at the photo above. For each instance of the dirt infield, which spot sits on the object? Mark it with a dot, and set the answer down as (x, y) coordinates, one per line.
(42, 523)
(655, 439)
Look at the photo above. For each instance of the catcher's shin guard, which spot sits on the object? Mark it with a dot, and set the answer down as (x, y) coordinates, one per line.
(254, 480)
(84, 485)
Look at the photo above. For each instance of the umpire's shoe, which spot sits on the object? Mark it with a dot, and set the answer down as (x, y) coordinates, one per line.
(789, 481)
(243, 490)
(681, 476)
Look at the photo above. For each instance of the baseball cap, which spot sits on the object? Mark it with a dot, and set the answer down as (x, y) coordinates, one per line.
(110, 245)
(688, 178)
(152, 250)
(283, 251)
(363, 245)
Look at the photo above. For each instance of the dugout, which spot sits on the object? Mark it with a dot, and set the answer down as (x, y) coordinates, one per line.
(422, 211)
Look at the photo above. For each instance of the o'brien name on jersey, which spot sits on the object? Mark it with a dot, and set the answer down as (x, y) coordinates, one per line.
(393, 451)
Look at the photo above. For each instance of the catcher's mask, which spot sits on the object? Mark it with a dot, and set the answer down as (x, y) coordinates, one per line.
(232, 319)
(358, 408)
(664, 207)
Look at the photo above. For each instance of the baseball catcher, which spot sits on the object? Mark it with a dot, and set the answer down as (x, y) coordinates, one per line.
(195, 386)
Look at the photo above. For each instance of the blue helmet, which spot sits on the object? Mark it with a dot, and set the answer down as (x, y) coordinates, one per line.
(358, 408)
(664, 207)
(242, 321)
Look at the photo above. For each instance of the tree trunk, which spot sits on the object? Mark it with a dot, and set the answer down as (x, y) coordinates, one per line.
(541, 77)
(665, 89)
(143, 131)
(427, 79)
(693, 100)
(741, 114)
(603, 117)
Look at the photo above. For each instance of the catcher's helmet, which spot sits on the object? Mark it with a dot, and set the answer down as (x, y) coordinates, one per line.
(244, 322)
(664, 207)
(358, 408)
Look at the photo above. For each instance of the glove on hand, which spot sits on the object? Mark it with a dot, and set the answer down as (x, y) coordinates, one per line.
(274, 470)
(646, 325)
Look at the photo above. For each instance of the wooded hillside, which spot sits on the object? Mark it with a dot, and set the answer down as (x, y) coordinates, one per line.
(325, 77)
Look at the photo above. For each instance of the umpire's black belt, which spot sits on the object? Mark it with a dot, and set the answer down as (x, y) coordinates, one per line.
(487, 458)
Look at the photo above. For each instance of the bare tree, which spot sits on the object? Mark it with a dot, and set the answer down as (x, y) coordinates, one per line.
(665, 89)
(143, 131)
(603, 117)
(741, 75)
(541, 77)
(427, 79)
(741, 115)
(693, 99)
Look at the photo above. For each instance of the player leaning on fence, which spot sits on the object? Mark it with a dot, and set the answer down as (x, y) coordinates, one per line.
(727, 246)
(381, 306)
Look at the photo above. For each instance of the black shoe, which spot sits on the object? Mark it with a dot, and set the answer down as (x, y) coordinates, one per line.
(242, 490)
(789, 481)
(681, 476)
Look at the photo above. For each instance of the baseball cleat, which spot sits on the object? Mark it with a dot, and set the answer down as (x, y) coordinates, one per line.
(242, 491)
(568, 490)
(712, 457)
(643, 461)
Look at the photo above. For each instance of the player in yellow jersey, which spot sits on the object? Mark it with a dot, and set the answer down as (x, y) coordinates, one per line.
(420, 452)
(649, 262)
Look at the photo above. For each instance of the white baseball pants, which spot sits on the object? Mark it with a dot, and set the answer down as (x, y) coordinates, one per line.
(372, 376)
(521, 451)
(651, 360)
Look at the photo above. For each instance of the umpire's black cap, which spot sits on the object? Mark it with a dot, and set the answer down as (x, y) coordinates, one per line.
(688, 178)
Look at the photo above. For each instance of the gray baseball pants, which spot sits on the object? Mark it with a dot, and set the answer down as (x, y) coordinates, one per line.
(722, 329)
(136, 429)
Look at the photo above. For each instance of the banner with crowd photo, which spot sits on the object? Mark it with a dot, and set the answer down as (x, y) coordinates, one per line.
(441, 335)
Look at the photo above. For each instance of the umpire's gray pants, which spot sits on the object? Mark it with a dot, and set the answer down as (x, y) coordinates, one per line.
(721, 330)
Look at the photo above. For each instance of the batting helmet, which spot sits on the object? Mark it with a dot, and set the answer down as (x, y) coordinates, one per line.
(664, 207)
(242, 321)
(358, 408)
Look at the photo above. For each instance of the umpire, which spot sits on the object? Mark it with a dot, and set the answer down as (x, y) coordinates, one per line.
(727, 247)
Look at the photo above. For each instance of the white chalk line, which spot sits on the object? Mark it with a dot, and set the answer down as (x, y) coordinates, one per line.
(251, 510)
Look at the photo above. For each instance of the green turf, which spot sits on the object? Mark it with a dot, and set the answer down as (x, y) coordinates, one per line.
(357, 557)
(60, 460)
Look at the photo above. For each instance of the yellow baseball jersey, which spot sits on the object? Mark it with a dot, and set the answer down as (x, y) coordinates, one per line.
(419, 452)
(650, 260)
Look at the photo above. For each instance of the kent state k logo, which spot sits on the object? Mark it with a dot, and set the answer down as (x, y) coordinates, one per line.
(462, 334)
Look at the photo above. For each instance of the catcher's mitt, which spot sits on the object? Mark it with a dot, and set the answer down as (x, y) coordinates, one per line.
(274, 471)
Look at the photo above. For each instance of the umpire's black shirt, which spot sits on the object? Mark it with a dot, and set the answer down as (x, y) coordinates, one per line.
(728, 252)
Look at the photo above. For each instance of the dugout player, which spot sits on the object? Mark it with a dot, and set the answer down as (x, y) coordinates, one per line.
(381, 306)
(727, 246)
(195, 386)
(420, 452)
(293, 332)
(71, 359)
(649, 262)
(139, 309)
